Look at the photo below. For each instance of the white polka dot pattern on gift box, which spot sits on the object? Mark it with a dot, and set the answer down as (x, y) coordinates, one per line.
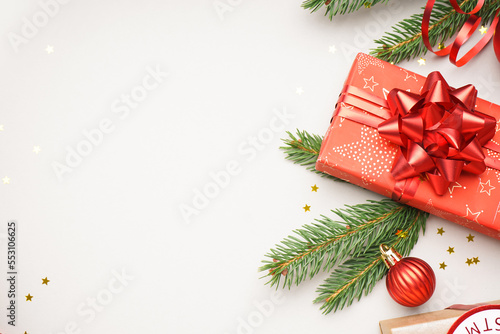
(375, 153)
(364, 61)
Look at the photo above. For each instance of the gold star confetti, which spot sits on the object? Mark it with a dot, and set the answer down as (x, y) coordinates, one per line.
(440, 231)
(306, 208)
(368, 5)
(332, 49)
(468, 262)
(299, 91)
(451, 250)
(421, 61)
(483, 30)
(314, 188)
(402, 234)
(45, 281)
(443, 265)
(441, 46)
(49, 49)
(475, 260)
(6, 180)
(36, 149)
(28, 297)
(470, 238)
(25, 332)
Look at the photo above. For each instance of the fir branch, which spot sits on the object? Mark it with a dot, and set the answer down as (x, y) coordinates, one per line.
(303, 149)
(346, 283)
(405, 40)
(358, 275)
(339, 7)
(324, 244)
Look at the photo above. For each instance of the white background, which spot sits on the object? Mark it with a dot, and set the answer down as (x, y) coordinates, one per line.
(118, 210)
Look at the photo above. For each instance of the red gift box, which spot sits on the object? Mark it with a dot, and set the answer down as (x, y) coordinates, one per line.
(354, 150)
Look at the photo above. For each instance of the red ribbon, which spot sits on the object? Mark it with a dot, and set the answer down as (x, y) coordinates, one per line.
(463, 35)
(439, 133)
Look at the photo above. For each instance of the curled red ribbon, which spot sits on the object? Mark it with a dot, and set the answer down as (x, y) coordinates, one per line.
(463, 35)
(439, 133)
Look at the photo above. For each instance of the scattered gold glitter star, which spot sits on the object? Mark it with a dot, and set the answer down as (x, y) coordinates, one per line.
(6, 180)
(49, 49)
(443, 265)
(299, 91)
(25, 332)
(475, 260)
(306, 208)
(332, 49)
(314, 188)
(36, 149)
(451, 250)
(440, 231)
(45, 281)
(470, 238)
(468, 262)
(441, 46)
(368, 4)
(483, 30)
(402, 234)
(28, 297)
(421, 61)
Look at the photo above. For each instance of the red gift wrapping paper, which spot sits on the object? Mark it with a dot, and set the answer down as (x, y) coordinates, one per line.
(357, 153)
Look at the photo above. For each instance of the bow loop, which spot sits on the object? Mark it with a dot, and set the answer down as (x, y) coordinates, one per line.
(413, 127)
(466, 95)
(402, 101)
(436, 145)
(389, 129)
(439, 94)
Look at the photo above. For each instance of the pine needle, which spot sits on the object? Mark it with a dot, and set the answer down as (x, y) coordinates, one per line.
(405, 41)
(358, 275)
(351, 242)
(339, 7)
(303, 149)
(327, 242)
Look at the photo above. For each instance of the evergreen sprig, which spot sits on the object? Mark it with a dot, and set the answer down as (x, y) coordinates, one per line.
(358, 275)
(303, 149)
(327, 242)
(405, 40)
(354, 239)
(339, 7)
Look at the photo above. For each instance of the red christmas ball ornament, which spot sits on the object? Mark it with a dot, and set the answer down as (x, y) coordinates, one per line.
(410, 281)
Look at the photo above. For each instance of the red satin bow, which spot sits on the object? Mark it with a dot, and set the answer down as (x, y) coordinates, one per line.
(439, 132)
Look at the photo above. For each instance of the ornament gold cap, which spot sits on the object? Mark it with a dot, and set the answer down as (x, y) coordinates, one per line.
(389, 255)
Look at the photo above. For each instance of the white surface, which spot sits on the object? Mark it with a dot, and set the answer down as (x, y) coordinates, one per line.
(119, 209)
